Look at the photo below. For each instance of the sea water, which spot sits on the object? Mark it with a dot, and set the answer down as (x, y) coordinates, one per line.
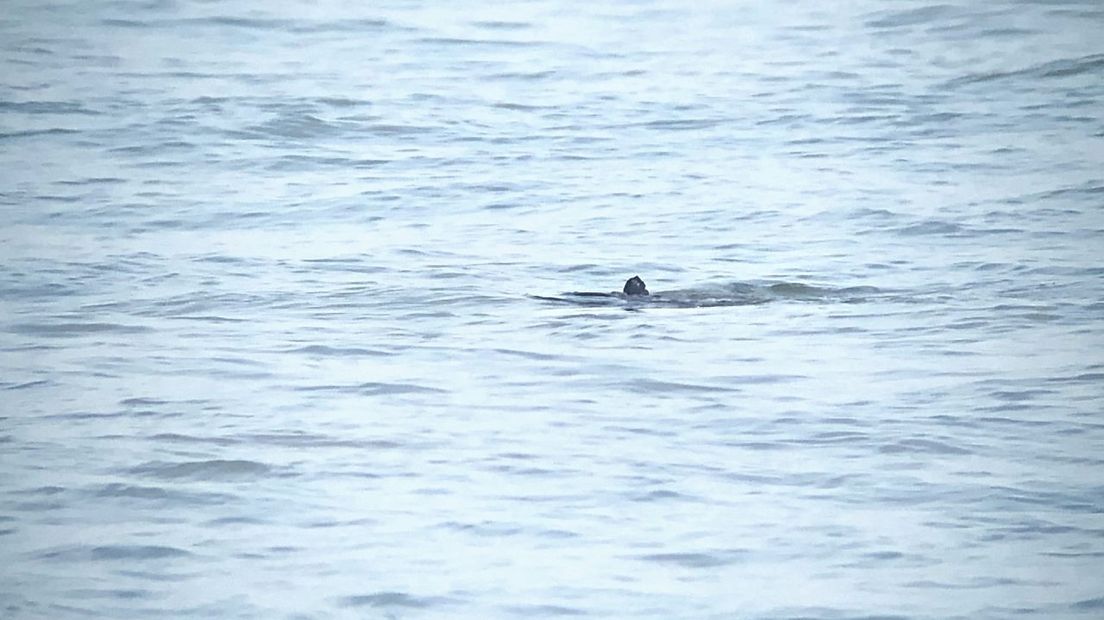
(276, 338)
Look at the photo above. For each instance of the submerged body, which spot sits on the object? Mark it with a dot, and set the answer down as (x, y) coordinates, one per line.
(634, 287)
(635, 295)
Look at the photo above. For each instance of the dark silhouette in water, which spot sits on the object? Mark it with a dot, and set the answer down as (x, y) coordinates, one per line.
(635, 295)
(635, 286)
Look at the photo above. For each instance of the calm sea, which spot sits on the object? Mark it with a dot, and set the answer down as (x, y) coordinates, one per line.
(287, 331)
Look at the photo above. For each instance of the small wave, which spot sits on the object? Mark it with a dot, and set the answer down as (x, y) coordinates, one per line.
(54, 131)
(158, 494)
(308, 440)
(348, 25)
(135, 552)
(541, 611)
(490, 529)
(931, 227)
(1062, 68)
(911, 17)
(681, 124)
(126, 490)
(241, 22)
(224, 521)
(662, 495)
(295, 162)
(524, 75)
(45, 107)
(696, 560)
(25, 385)
(372, 388)
(455, 41)
(177, 437)
(970, 584)
(928, 446)
(519, 107)
(215, 469)
(1089, 604)
(124, 23)
(502, 25)
(61, 330)
(298, 26)
(112, 552)
(93, 181)
(797, 289)
(299, 126)
(1090, 378)
(392, 599)
(533, 355)
(1089, 189)
(111, 593)
(48, 491)
(328, 351)
(385, 129)
(651, 386)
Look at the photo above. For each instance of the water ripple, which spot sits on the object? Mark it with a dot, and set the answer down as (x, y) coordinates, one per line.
(214, 469)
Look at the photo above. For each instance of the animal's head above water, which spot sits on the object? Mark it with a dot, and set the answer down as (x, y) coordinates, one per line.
(635, 286)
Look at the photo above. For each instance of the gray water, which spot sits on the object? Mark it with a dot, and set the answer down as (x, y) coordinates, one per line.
(286, 327)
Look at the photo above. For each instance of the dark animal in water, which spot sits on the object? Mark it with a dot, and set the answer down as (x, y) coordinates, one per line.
(635, 286)
(635, 296)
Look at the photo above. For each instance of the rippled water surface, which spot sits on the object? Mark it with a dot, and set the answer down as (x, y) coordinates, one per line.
(288, 323)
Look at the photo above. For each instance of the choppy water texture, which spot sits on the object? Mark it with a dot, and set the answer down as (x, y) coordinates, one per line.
(274, 344)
